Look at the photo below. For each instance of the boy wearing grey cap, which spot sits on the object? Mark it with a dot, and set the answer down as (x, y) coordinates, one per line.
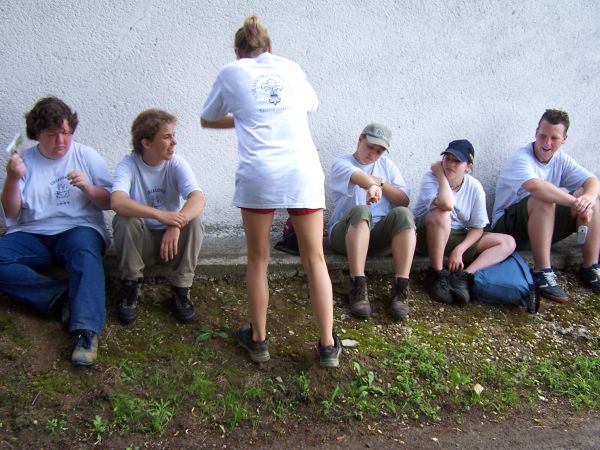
(451, 215)
(371, 217)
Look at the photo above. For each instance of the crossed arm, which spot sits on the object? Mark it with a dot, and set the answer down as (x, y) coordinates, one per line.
(174, 220)
(581, 206)
(374, 190)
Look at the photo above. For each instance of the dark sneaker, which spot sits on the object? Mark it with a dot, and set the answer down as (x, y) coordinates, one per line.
(358, 298)
(183, 308)
(437, 283)
(459, 286)
(258, 350)
(399, 295)
(329, 355)
(591, 276)
(85, 348)
(545, 280)
(127, 309)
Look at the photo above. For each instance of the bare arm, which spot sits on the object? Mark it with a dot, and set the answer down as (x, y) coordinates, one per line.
(455, 260)
(194, 205)
(125, 206)
(395, 195)
(100, 197)
(444, 200)
(548, 192)
(11, 194)
(225, 122)
(371, 184)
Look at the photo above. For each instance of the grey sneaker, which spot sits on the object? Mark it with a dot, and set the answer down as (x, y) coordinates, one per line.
(358, 298)
(85, 348)
(459, 286)
(591, 276)
(183, 308)
(545, 280)
(127, 309)
(329, 355)
(437, 283)
(399, 304)
(259, 351)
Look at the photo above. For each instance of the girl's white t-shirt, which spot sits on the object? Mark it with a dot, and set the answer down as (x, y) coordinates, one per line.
(469, 202)
(270, 98)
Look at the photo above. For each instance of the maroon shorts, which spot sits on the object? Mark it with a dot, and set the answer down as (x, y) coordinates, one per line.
(291, 211)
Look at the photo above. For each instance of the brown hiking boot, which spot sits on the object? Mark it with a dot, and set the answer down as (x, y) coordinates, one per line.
(399, 305)
(358, 298)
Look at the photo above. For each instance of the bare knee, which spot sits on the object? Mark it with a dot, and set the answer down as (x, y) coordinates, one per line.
(438, 218)
(537, 208)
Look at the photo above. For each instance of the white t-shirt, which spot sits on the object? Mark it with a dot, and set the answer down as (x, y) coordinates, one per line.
(269, 98)
(469, 202)
(346, 195)
(562, 171)
(49, 204)
(165, 187)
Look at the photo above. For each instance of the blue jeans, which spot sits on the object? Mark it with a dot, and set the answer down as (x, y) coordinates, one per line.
(80, 250)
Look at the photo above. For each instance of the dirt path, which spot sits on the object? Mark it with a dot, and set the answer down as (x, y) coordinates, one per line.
(552, 432)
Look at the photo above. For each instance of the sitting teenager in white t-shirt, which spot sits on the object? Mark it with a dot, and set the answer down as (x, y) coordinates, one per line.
(159, 207)
(451, 215)
(371, 217)
(542, 196)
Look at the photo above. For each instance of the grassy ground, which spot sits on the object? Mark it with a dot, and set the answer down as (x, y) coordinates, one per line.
(161, 384)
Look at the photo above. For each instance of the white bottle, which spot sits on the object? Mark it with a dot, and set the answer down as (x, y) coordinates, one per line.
(581, 234)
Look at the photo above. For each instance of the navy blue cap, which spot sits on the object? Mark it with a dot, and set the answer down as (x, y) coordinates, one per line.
(462, 149)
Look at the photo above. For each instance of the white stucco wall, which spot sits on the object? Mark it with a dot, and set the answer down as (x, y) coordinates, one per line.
(432, 70)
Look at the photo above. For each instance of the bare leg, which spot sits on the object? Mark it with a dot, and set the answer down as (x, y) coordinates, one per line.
(357, 246)
(438, 232)
(257, 227)
(403, 250)
(309, 229)
(491, 249)
(540, 227)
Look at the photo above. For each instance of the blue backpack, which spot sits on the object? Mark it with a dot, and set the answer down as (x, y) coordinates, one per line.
(507, 283)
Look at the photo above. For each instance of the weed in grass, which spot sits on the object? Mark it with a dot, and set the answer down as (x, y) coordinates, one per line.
(364, 392)
(127, 412)
(100, 427)
(128, 372)
(458, 379)
(201, 385)
(161, 412)
(207, 334)
(330, 405)
(303, 383)
(56, 426)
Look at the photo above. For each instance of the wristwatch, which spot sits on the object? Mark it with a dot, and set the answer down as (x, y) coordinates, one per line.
(382, 183)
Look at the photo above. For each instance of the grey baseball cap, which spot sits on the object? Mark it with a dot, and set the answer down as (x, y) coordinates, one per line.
(378, 134)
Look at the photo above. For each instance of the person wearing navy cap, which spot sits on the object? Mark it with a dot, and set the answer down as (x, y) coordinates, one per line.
(451, 214)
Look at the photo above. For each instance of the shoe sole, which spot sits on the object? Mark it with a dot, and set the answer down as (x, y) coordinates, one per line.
(360, 315)
(259, 358)
(331, 363)
(555, 299)
(82, 363)
(185, 319)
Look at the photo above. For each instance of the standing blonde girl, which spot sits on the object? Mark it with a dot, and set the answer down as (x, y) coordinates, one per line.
(266, 99)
